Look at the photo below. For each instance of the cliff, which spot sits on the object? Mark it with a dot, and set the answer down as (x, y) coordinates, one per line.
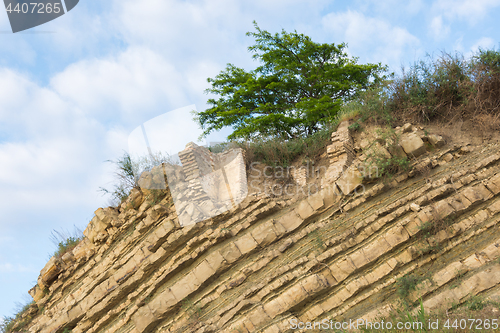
(265, 261)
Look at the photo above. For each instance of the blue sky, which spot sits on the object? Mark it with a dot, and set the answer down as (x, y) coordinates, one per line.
(72, 90)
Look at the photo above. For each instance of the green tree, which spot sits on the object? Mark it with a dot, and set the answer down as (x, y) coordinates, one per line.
(299, 86)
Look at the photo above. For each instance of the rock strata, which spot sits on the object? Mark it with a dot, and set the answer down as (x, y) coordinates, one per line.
(267, 261)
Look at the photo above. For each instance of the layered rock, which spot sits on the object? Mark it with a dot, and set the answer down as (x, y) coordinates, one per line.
(267, 262)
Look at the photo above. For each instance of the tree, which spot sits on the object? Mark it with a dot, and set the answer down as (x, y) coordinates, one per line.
(299, 86)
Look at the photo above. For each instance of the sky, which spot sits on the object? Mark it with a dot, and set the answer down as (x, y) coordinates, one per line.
(74, 89)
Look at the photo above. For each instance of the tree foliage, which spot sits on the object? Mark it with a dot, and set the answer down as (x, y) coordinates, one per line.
(299, 86)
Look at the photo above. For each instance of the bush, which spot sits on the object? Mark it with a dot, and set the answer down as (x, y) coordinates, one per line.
(449, 87)
(383, 164)
(128, 172)
(278, 152)
(407, 284)
(475, 303)
(369, 106)
(64, 241)
(17, 322)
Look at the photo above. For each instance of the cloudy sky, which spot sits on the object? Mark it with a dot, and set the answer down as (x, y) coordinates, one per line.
(72, 90)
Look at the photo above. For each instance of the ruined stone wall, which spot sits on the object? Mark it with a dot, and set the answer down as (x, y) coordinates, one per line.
(340, 153)
(266, 262)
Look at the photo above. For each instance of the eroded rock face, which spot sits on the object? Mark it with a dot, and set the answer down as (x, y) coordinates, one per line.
(335, 254)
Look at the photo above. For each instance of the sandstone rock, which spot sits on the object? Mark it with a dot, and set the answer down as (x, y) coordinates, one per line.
(95, 227)
(304, 209)
(246, 243)
(50, 272)
(108, 216)
(350, 180)
(82, 249)
(447, 157)
(412, 144)
(407, 128)
(290, 221)
(436, 140)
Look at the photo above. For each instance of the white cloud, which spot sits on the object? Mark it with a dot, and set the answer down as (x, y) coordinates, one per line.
(394, 8)
(469, 10)
(483, 43)
(16, 268)
(61, 134)
(119, 86)
(366, 35)
(438, 29)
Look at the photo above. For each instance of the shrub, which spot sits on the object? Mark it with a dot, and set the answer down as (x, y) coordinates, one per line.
(448, 87)
(369, 106)
(383, 164)
(128, 172)
(278, 152)
(9, 324)
(407, 284)
(64, 241)
(475, 303)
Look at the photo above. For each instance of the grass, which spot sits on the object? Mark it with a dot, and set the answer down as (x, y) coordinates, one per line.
(155, 196)
(65, 241)
(19, 321)
(384, 165)
(276, 152)
(406, 284)
(128, 170)
(446, 88)
(317, 240)
(449, 87)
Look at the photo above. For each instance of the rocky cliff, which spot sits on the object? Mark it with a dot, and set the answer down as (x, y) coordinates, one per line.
(270, 261)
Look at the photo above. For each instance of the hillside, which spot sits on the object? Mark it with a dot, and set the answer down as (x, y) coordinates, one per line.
(359, 248)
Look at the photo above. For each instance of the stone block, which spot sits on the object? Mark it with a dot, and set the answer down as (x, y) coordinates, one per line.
(316, 201)
(50, 272)
(163, 302)
(350, 180)
(494, 207)
(107, 216)
(245, 243)
(378, 273)
(413, 227)
(406, 128)
(477, 193)
(358, 258)
(304, 209)
(293, 296)
(273, 308)
(230, 252)
(258, 316)
(436, 140)
(203, 271)
(312, 284)
(449, 272)
(494, 184)
(215, 260)
(290, 221)
(185, 286)
(442, 209)
(412, 144)
(142, 319)
(341, 269)
(264, 234)
(396, 235)
(376, 249)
